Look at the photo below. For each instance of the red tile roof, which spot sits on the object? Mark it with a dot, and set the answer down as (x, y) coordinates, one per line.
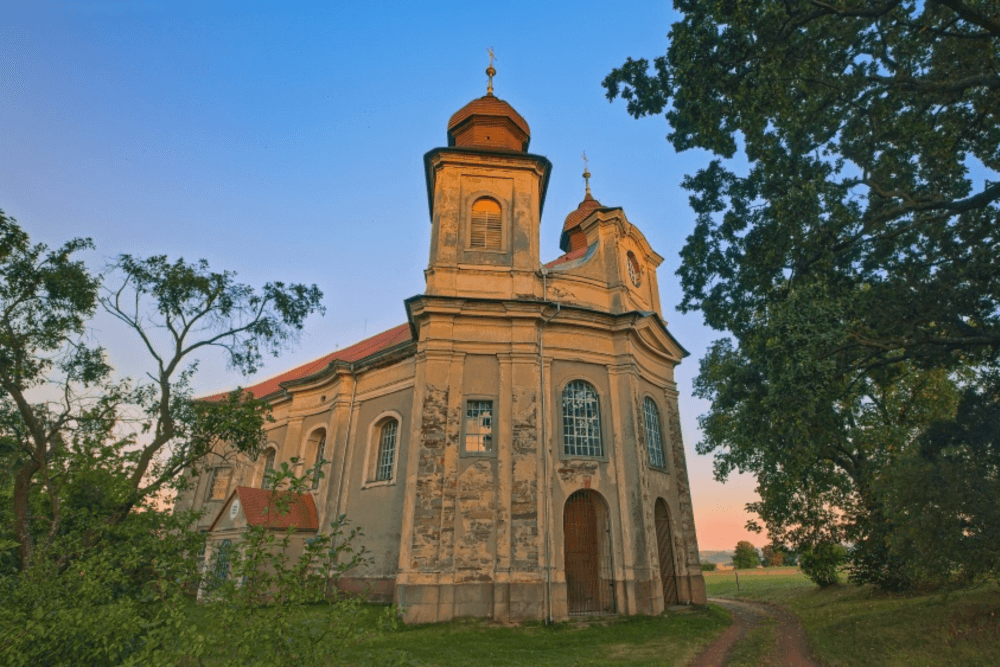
(568, 257)
(260, 510)
(356, 352)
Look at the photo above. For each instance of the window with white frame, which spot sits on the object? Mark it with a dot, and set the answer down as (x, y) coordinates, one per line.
(654, 442)
(388, 436)
(486, 226)
(479, 427)
(581, 420)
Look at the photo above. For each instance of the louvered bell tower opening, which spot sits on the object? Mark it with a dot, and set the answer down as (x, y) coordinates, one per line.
(486, 227)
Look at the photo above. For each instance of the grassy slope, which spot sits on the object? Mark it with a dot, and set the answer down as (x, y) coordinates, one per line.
(672, 639)
(850, 625)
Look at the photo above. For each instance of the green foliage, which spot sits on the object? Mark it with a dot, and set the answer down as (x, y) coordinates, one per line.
(92, 569)
(115, 602)
(849, 252)
(123, 601)
(822, 562)
(113, 444)
(708, 567)
(745, 556)
(271, 576)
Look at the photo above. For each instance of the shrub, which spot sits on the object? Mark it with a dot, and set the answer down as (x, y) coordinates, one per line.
(822, 562)
(708, 567)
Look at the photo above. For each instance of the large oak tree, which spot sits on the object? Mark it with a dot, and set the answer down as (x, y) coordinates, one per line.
(847, 238)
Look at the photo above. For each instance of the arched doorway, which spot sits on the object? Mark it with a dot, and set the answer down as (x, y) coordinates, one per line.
(590, 582)
(665, 550)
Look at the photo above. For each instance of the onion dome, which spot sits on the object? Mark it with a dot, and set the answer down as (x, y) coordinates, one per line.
(489, 122)
(573, 237)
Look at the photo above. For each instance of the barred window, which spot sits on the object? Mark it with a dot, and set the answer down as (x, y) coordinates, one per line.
(220, 483)
(653, 440)
(486, 227)
(479, 426)
(581, 420)
(386, 451)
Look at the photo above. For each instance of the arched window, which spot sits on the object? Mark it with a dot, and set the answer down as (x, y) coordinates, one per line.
(386, 460)
(486, 228)
(265, 482)
(653, 440)
(581, 420)
(314, 454)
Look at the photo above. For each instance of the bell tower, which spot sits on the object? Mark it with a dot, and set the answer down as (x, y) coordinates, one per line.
(485, 194)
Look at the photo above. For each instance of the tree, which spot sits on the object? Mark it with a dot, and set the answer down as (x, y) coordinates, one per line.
(853, 258)
(82, 442)
(745, 556)
(772, 555)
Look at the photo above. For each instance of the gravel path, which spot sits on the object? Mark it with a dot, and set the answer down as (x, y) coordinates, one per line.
(792, 647)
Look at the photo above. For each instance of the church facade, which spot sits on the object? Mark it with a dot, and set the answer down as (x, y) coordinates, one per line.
(514, 449)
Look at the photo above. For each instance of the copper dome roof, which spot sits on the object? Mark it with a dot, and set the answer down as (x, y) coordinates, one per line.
(489, 122)
(572, 236)
(586, 207)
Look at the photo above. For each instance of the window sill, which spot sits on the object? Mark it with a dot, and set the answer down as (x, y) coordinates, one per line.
(371, 485)
(477, 455)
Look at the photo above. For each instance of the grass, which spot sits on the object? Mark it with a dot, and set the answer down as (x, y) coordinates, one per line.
(671, 639)
(757, 647)
(852, 625)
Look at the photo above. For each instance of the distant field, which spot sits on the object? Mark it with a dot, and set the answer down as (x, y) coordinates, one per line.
(855, 625)
(757, 584)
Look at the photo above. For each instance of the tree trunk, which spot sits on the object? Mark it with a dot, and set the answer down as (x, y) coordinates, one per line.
(22, 529)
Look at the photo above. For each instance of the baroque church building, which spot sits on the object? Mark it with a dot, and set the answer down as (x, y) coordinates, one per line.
(514, 449)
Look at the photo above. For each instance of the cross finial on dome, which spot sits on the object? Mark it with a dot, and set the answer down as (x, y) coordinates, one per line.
(490, 72)
(586, 174)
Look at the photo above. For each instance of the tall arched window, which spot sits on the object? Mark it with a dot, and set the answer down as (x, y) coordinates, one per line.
(318, 460)
(386, 450)
(265, 482)
(317, 444)
(581, 420)
(486, 230)
(653, 440)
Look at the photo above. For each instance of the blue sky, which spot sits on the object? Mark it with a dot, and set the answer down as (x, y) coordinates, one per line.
(285, 142)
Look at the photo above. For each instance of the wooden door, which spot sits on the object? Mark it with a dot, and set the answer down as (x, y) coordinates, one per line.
(589, 581)
(665, 550)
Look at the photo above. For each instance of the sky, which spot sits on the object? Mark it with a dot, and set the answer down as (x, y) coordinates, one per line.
(285, 141)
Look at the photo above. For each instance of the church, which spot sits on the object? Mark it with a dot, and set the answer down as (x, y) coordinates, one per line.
(513, 450)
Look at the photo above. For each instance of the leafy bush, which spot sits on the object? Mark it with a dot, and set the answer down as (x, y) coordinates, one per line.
(822, 562)
(708, 567)
(745, 557)
(126, 598)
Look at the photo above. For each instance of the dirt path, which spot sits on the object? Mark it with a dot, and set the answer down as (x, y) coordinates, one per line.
(791, 646)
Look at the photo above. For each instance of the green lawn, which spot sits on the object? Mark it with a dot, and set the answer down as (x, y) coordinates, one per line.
(671, 639)
(851, 625)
